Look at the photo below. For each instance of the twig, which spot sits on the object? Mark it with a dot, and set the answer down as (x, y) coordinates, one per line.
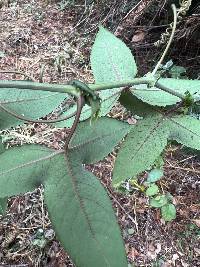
(119, 204)
(183, 169)
(169, 42)
(169, 90)
(20, 117)
(42, 208)
(69, 89)
(42, 69)
(80, 104)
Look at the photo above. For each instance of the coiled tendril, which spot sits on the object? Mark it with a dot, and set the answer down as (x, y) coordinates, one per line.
(181, 12)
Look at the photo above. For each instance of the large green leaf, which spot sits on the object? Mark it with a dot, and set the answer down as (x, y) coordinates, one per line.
(185, 130)
(157, 97)
(77, 203)
(30, 103)
(82, 214)
(141, 148)
(97, 140)
(23, 169)
(111, 61)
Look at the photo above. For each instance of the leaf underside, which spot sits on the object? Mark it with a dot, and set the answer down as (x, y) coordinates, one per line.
(156, 97)
(78, 205)
(32, 104)
(185, 130)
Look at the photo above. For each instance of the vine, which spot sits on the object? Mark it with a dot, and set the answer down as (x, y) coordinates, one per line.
(181, 12)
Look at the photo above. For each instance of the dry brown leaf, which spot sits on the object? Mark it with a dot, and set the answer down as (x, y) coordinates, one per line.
(197, 222)
(133, 253)
(153, 250)
(184, 212)
(195, 208)
(138, 37)
(197, 250)
(131, 121)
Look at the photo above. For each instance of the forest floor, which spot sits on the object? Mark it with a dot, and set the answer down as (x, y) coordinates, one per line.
(32, 34)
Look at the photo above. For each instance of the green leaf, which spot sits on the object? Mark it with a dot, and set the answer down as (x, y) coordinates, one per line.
(177, 71)
(158, 201)
(78, 205)
(135, 105)
(3, 205)
(142, 146)
(97, 140)
(169, 197)
(85, 114)
(159, 162)
(82, 214)
(23, 169)
(95, 108)
(32, 104)
(185, 130)
(168, 212)
(157, 97)
(152, 190)
(154, 175)
(41, 243)
(111, 61)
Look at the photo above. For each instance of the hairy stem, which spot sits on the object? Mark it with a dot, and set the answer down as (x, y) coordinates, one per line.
(74, 91)
(20, 117)
(67, 88)
(169, 90)
(80, 104)
(170, 41)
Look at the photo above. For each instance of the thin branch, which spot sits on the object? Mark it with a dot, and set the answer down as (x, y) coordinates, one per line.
(80, 104)
(169, 90)
(42, 69)
(183, 169)
(20, 117)
(170, 41)
(69, 89)
(24, 85)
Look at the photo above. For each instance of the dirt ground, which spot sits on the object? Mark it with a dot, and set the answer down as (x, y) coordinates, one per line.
(33, 35)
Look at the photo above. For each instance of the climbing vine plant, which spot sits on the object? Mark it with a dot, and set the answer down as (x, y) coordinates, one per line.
(78, 205)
